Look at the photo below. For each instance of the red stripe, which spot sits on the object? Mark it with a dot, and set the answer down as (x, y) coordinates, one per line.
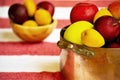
(66, 3)
(31, 76)
(5, 23)
(21, 48)
(63, 23)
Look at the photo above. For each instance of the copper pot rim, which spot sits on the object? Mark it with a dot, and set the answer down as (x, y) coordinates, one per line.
(82, 49)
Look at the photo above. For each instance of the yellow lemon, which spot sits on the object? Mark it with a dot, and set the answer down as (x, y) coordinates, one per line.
(43, 17)
(30, 23)
(31, 7)
(101, 12)
(73, 32)
(92, 38)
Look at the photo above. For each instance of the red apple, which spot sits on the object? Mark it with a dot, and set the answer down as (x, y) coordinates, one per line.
(118, 39)
(114, 8)
(83, 11)
(108, 27)
(18, 13)
(114, 45)
(46, 5)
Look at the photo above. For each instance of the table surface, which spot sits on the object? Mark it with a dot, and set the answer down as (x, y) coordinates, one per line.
(21, 60)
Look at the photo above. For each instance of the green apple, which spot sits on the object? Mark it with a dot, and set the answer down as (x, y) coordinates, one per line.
(73, 32)
(92, 38)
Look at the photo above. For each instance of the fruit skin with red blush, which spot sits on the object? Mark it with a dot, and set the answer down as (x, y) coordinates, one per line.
(114, 8)
(118, 39)
(114, 45)
(18, 13)
(83, 11)
(46, 5)
(108, 27)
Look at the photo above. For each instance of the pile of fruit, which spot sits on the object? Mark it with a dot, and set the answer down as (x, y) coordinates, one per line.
(94, 27)
(31, 14)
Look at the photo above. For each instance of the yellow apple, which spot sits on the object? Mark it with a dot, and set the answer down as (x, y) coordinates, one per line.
(73, 32)
(92, 38)
(101, 12)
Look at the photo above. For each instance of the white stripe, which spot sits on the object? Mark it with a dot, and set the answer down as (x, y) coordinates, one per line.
(8, 35)
(27, 63)
(54, 36)
(60, 12)
(4, 12)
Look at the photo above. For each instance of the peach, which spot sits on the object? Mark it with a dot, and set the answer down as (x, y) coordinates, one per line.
(114, 8)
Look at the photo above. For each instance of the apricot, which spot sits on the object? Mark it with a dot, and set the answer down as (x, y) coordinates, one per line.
(43, 17)
(30, 23)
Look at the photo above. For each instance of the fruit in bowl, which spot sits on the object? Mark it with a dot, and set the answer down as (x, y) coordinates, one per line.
(114, 8)
(106, 25)
(83, 11)
(46, 5)
(18, 13)
(91, 50)
(31, 23)
(34, 33)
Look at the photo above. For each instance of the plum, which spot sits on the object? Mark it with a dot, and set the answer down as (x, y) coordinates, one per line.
(118, 39)
(108, 26)
(18, 13)
(46, 5)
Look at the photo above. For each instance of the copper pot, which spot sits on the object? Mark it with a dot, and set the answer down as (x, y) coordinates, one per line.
(79, 62)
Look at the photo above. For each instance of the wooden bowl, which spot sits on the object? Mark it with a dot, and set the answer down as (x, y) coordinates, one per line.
(33, 34)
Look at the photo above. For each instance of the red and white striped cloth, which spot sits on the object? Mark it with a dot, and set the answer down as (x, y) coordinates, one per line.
(20, 60)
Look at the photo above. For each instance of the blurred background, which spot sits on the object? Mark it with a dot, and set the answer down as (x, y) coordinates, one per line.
(21, 60)
(62, 9)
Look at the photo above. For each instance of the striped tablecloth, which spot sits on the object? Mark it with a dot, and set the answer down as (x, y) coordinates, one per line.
(20, 60)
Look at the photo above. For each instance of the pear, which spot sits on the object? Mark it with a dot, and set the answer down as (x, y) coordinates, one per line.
(92, 38)
(73, 32)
